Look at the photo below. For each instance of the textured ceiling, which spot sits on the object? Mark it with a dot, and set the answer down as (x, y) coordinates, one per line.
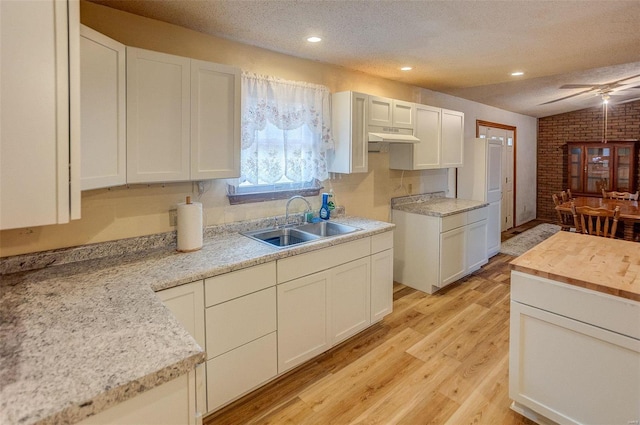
(464, 48)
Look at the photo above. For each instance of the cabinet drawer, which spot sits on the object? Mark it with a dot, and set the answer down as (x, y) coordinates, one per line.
(236, 284)
(240, 321)
(453, 221)
(323, 259)
(606, 311)
(381, 242)
(477, 215)
(237, 372)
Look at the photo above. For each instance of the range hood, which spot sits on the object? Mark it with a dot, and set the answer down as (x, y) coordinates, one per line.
(378, 133)
(393, 138)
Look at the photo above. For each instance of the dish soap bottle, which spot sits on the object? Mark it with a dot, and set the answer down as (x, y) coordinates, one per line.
(324, 209)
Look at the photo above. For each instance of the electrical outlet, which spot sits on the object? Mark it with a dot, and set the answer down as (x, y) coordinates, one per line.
(173, 217)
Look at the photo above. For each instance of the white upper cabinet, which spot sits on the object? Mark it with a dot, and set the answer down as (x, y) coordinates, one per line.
(215, 121)
(349, 128)
(441, 134)
(39, 113)
(452, 138)
(426, 153)
(103, 110)
(158, 116)
(183, 118)
(385, 112)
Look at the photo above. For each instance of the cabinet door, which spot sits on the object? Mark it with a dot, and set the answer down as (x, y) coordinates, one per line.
(350, 305)
(576, 165)
(452, 255)
(103, 111)
(623, 172)
(559, 368)
(381, 284)
(403, 114)
(380, 111)
(158, 117)
(425, 154)
(452, 138)
(215, 121)
(598, 169)
(303, 328)
(349, 122)
(186, 302)
(38, 101)
(476, 245)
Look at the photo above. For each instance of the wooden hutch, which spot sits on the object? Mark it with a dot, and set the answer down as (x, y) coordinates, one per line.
(594, 166)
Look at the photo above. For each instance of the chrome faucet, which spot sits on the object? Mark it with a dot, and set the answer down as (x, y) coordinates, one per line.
(286, 211)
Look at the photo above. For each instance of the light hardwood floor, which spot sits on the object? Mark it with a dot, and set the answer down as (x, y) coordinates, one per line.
(437, 359)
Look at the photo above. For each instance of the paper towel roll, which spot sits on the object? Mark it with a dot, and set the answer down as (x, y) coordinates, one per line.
(189, 226)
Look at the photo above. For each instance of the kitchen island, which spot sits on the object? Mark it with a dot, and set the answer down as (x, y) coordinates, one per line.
(575, 331)
(82, 337)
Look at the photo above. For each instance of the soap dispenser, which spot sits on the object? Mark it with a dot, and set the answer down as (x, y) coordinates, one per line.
(324, 209)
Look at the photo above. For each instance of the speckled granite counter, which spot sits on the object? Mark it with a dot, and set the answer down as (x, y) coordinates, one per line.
(81, 337)
(611, 266)
(437, 206)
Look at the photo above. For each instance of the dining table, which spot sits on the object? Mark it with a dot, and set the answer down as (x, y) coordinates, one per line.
(629, 210)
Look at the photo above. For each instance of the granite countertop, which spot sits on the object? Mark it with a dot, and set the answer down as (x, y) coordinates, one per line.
(437, 206)
(611, 266)
(81, 337)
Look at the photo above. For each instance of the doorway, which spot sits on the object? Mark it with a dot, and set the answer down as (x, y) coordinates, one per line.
(506, 135)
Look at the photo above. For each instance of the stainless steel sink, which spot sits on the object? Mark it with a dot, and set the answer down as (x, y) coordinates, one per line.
(327, 228)
(289, 236)
(282, 238)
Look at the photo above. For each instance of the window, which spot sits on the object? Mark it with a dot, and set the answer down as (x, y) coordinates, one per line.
(285, 138)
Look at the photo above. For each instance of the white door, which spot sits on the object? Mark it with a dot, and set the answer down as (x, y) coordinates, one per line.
(507, 181)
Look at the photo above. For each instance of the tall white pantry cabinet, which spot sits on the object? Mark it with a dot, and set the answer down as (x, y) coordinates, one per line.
(482, 181)
(39, 113)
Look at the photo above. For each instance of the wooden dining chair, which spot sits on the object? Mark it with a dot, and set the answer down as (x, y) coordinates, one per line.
(596, 221)
(620, 196)
(569, 195)
(565, 220)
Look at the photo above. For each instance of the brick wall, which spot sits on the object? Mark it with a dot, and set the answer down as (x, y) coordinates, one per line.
(584, 125)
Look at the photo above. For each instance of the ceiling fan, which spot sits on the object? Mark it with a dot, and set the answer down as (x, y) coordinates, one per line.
(604, 91)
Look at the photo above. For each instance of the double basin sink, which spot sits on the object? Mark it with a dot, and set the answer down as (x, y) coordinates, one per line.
(284, 237)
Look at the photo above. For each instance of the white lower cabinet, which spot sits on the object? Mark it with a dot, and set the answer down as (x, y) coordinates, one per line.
(240, 332)
(574, 354)
(261, 321)
(432, 252)
(381, 276)
(349, 299)
(168, 404)
(303, 328)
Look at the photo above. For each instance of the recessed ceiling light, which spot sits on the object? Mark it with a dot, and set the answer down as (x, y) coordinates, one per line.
(406, 68)
(314, 39)
(517, 73)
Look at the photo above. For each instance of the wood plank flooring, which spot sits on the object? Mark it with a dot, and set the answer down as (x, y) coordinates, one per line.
(437, 359)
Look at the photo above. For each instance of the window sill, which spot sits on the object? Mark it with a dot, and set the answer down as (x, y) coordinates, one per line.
(246, 198)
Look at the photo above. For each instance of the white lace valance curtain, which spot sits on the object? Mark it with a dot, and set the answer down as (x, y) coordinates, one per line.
(285, 130)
